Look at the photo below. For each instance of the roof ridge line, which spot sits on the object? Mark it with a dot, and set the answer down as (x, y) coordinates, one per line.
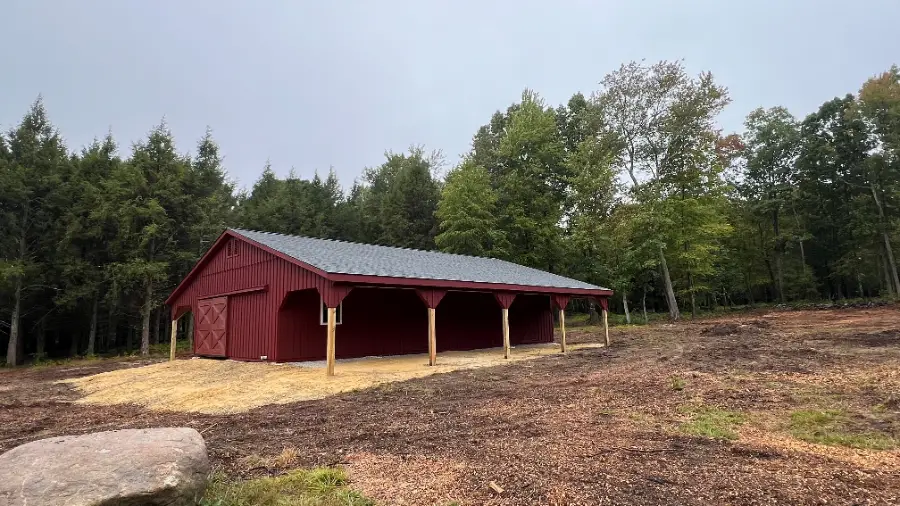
(298, 236)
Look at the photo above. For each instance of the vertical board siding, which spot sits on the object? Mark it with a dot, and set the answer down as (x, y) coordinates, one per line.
(246, 337)
(531, 320)
(394, 321)
(300, 336)
(282, 323)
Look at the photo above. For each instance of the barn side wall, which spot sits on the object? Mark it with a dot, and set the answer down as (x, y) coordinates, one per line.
(385, 321)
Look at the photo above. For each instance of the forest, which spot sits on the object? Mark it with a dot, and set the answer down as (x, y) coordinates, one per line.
(633, 186)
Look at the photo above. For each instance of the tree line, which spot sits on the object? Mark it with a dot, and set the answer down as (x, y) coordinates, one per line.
(634, 187)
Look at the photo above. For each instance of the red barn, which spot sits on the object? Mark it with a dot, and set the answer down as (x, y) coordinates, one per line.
(265, 296)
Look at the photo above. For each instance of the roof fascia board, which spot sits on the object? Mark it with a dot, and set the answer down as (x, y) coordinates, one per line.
(462, 285)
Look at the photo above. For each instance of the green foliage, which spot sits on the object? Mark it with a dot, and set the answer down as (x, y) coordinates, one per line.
(467, 213)
(834, 427)
(314, 487)
(34, 171)
(407, 208)
(525, 156)
(713, 423)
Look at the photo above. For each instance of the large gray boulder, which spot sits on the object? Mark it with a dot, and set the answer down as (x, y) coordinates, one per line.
(122, 467)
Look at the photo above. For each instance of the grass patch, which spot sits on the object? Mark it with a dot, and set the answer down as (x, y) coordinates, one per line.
(70, 361)
(834, 428)
(156, 351)
(182, 345)
(323, 486)
(713, 423)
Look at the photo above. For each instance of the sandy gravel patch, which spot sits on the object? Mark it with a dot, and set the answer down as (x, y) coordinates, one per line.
(228, 386)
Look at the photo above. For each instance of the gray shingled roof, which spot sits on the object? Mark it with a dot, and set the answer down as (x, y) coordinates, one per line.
(338, 257)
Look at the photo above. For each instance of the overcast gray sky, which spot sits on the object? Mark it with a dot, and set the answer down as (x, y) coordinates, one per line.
(316, 84)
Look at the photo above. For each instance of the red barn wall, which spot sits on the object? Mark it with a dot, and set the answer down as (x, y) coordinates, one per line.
(384, 321)
(247, 337)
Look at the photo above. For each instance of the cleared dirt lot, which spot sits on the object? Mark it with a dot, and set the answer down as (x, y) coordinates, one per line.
(629, 424)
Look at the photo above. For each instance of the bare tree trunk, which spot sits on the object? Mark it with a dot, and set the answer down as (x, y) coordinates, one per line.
(674, 314)
(593, 316)
(780, 273)
(12, 349)
(644, 305)
(891, 262)
(749, 289)
(111, 340)
(154, 328)
(157, 328)
(92, 334)
(15, 348)
(799, 240)
(886, 276)
(145, 318)
(625, 304)
(772, 279)
(693, 297)
(778, 254)
(41, 341)
(887, 240)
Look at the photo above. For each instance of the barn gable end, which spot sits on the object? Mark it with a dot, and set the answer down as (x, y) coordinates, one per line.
(254, 282)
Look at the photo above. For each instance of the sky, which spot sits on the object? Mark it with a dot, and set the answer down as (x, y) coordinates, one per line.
(313, 85)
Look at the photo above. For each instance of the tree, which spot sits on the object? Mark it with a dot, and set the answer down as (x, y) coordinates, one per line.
(467, 213)
(831, 168)
(529, 175)
(212, 204)
(664, 121)
(408, 209)
(598, 233)
(255, 210)
(771, 144)
(34, 157)
(84, 246)
(879, 101)
(148, 194)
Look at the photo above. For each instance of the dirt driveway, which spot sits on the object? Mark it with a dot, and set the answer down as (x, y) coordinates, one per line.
(768, 408)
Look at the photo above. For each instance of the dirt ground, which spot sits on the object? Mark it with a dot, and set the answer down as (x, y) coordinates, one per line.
(229, 386)
(617, 425)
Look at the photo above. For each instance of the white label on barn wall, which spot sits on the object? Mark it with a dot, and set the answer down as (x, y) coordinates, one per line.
(264, 357)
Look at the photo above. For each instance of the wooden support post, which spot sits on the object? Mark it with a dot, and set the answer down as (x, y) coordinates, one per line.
(505, 333)
(562, 329)
(174, 337)
(432, 339)
(605, 326)
(332, 321)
